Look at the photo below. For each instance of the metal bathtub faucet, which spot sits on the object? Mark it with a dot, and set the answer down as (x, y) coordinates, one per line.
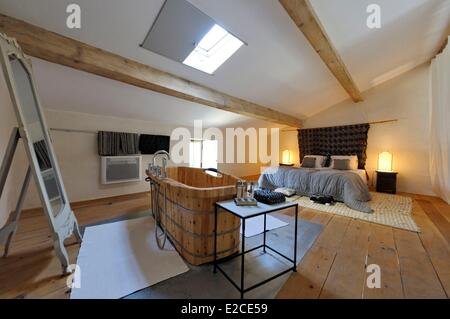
(161, 171)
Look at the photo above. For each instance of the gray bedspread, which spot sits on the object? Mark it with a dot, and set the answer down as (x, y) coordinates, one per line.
(344, 186)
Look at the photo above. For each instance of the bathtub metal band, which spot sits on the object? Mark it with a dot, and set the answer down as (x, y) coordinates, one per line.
(190, 211)
(195, 234)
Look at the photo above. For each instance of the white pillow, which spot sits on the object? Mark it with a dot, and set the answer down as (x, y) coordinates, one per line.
(320, 160)
(353, 160)
(288, 192)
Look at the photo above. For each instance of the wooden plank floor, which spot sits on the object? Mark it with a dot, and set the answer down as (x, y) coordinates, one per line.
(32, 269)
(412, 265)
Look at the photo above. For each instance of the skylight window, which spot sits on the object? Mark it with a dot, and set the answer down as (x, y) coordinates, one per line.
(216, 47)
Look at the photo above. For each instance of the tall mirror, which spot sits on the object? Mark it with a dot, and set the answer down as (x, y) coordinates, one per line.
(34, 124)
(34, 132)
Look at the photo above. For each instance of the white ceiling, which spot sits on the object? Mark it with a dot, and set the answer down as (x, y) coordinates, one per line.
(412, 32)
(65, 89)
(277, 69)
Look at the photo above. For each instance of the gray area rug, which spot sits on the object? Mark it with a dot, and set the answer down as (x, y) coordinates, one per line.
(200, 282)
(255, 226)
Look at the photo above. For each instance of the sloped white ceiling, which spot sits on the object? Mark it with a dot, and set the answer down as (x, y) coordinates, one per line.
(278, 68)
(65, 89)
(411, 33)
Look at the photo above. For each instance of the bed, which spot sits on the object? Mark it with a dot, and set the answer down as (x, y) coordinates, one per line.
(360, 172)
(349, 187)
(338, 169)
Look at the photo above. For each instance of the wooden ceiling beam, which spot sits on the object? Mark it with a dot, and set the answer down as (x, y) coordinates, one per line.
(302, 13)
(40, 43)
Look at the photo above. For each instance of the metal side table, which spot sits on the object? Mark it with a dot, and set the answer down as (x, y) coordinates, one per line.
(244, 213)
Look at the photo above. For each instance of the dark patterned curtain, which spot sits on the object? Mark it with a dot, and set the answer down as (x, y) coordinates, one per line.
(115, 143)
(336, 140)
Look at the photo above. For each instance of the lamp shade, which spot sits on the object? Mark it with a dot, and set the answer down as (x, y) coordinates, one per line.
(385, 162)
(287, 157)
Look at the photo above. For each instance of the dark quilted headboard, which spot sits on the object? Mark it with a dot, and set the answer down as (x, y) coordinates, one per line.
(336, 140)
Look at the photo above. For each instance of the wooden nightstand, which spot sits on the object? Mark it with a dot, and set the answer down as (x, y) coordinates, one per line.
(387, 182)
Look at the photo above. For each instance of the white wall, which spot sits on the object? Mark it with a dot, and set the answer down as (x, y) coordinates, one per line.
(289, 141)
(405, 98)
(77, 153)
(78, 157)
(79, 161)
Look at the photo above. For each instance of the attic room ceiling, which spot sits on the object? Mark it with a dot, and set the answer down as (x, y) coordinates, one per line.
(278, 68)
(65, 89)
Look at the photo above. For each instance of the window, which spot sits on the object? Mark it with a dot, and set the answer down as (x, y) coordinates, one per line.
(213, 50)
(203, 153)
(195, 154)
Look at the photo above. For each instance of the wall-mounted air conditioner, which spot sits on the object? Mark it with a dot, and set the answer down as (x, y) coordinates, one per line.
(121, 169)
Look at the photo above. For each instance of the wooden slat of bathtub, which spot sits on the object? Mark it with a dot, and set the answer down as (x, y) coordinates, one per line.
(190, 214)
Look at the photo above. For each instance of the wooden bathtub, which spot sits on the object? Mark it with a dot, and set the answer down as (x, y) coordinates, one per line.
(189, 213)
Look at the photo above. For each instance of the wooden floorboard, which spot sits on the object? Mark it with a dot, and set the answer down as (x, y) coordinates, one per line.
(413, 265)
(327, 271)
(348, 273)
(333, 234)
(436, 217)
(443, 207)
(436, 246)
(419, 277)
(382, 252)
(321, 218)
(313, 270)
(311, 274)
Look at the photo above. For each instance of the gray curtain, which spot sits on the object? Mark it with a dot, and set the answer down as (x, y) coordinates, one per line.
(115, 143)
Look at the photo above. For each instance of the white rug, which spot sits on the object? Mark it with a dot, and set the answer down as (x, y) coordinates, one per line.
(120, 258)
(390, 210)
(255, 226)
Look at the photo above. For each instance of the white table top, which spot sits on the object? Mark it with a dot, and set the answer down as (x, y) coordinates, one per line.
(252, 211)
